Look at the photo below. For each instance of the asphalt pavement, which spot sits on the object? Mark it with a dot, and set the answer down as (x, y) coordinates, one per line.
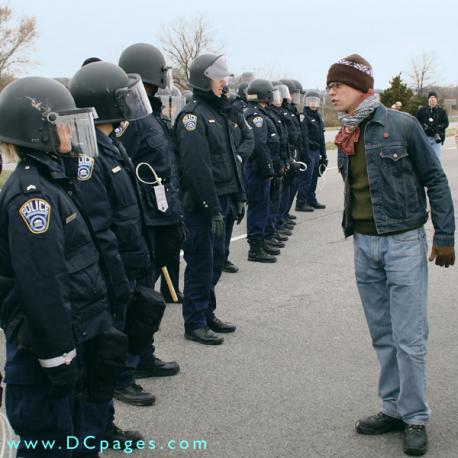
(299, 370)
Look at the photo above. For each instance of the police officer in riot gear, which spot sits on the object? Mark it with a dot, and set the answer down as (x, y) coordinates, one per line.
(260, 169)
(150, 145)
(108, 189)
(299, 153)
(211, 186)
(244, 143)
(62, 351)
(312, 133)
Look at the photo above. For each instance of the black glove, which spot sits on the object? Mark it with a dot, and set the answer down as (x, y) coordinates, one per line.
(240, 212)
(63, 378)
(218, 226)
(324, 160)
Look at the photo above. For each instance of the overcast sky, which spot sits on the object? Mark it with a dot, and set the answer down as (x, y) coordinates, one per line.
(284, 38)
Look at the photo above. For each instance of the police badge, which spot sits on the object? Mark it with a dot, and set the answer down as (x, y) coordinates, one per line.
(258, 121)
(85, 167)
(190, 122)
(36, 214)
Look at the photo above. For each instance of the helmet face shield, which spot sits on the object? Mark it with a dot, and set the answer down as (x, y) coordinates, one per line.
(133, 100)
(284, 92)
(167, 78)
(276, 97)
(312, 102)
(73, 132)
(218, 71)
(172, 105)
(296, 98)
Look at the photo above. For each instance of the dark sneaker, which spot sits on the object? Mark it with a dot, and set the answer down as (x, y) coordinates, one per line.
(134, 395)
(230, 268)
(157, 368)
(291, 217)
(318, 206)
(379, 424)
(415, 440)
(115, 436)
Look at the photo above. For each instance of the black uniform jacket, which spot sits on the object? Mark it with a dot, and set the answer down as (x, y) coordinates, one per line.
(107, 189)
(147, 140)
(50, 278)
(313, 131)
(206, 154)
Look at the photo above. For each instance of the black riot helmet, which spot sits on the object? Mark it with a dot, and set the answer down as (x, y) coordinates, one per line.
(290, 85)
(116, 95)
(205, 68)
(147, 61)
(260, 90)
(298, 86)
(241, 90)
(294, 90)
(40, 113)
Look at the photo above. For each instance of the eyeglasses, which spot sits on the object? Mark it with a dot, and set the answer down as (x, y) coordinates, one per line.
(335, 85)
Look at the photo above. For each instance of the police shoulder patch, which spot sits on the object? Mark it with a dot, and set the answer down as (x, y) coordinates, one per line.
(36, 214)
(258, 121)
(85, 168)
(190, 122)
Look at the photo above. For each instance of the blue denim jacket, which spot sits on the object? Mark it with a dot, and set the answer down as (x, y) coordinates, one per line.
(400, 165)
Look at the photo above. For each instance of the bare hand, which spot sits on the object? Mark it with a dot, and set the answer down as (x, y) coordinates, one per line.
(444, 256)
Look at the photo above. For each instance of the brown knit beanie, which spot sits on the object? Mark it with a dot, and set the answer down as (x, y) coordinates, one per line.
(353, 71)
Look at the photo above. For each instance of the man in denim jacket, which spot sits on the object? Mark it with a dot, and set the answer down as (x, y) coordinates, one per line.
(387, 162)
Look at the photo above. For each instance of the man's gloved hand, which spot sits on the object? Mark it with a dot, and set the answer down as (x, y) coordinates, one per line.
(444, 256)
(324, 160)
(62, 378)
(240, 211)
(218, 225)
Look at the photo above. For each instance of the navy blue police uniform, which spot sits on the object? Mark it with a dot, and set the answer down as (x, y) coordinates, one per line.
(149, 140)
(53, 301)
(210, 181)
(258, 171)
(314, 142)
(244, 144)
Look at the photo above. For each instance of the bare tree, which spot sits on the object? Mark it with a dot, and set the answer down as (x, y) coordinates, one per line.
(422, 71)
(14, 42)
(182, 42)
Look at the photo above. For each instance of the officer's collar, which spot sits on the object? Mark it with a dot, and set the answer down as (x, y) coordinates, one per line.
(156, 104)
(209, 97)
(108, 144)
(52, 161)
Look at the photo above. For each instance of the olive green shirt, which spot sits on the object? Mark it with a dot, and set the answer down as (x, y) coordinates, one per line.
(360, 202)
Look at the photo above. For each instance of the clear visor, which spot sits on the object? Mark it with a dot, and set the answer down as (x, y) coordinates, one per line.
(284, 92)
(296, 99)
(73, 132)
(218, 70)
(312, 102)
(276, 97)
(171, 106)
(168, 77)
(132, 100)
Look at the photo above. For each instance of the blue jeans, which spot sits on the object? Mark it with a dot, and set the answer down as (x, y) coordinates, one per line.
(436, 146)
(392, 277)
